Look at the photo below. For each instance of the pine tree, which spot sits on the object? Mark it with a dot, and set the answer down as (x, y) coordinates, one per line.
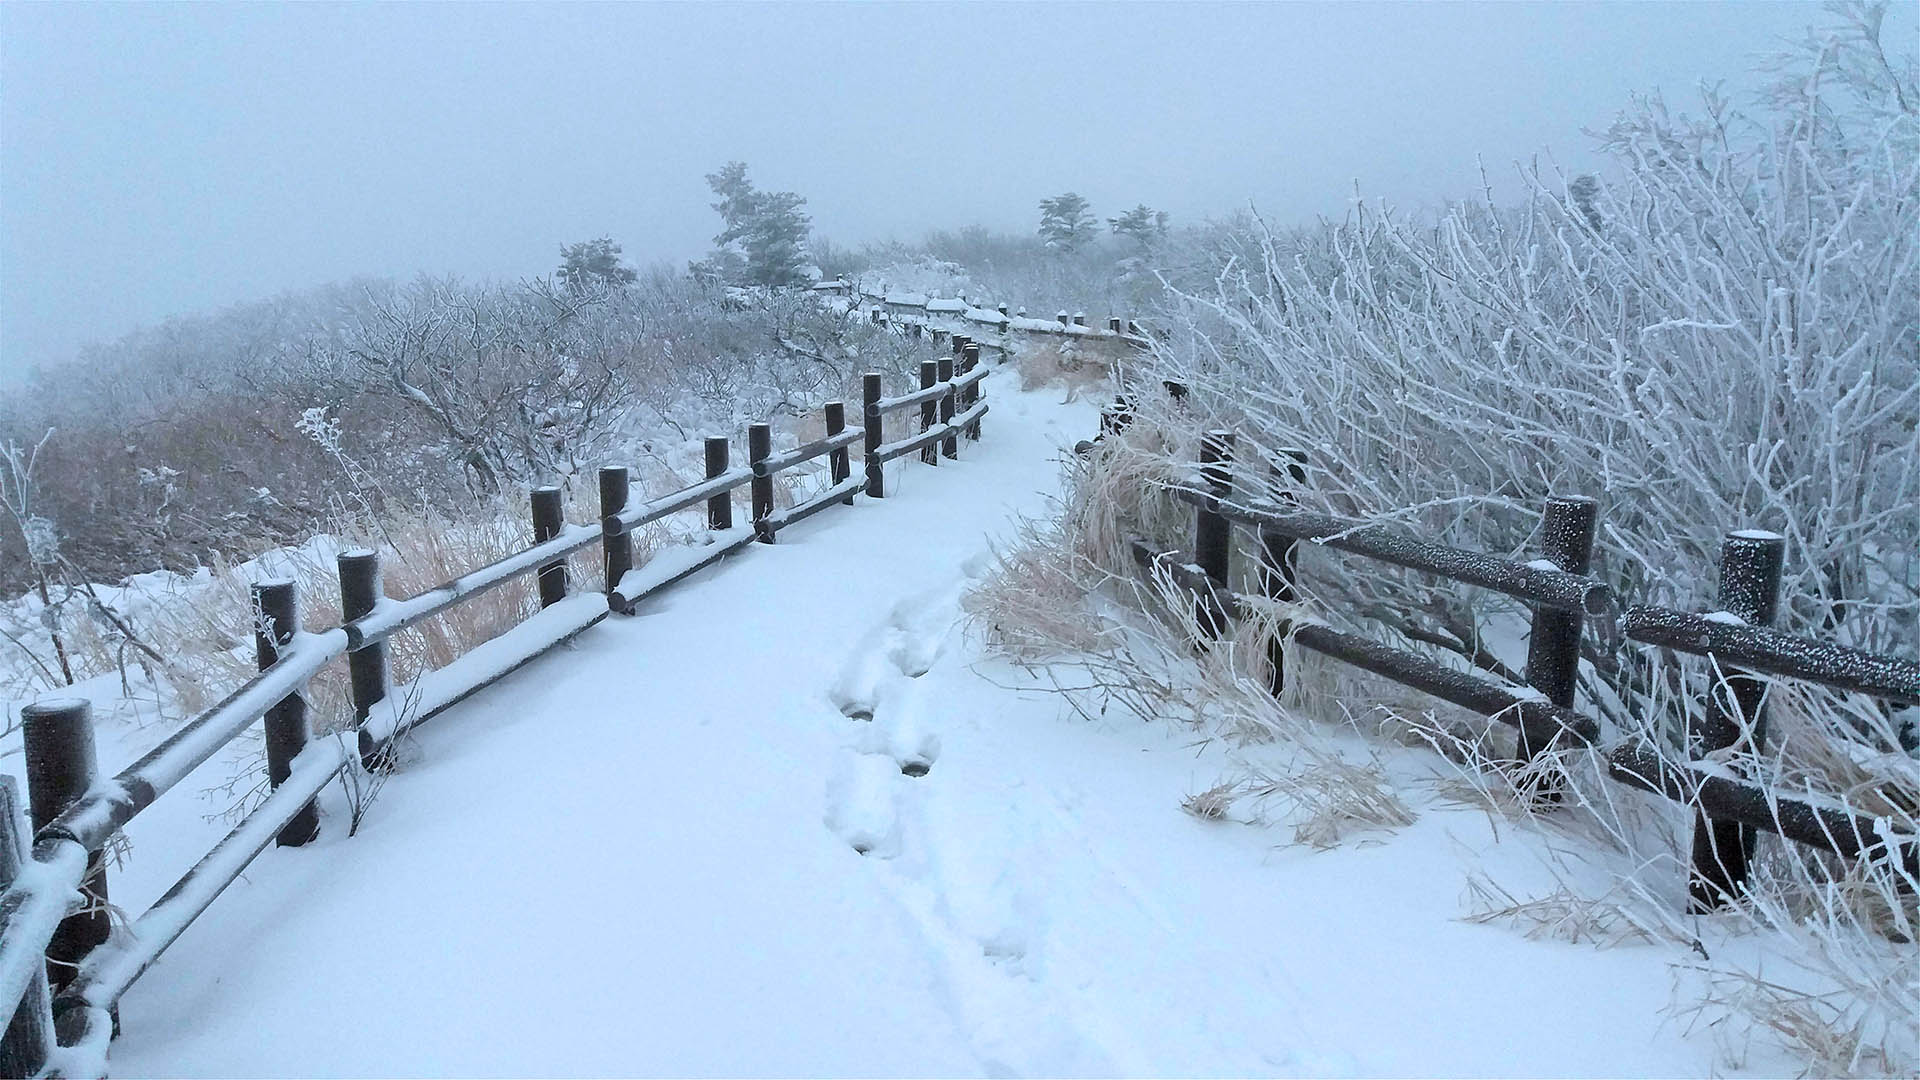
(593, 264)
(1066, 223)
(1143, 225)
(764, 239)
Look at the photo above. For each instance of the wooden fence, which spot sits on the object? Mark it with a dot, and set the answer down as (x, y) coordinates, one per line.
(1737, 640)
(998, 328)
(57, 962)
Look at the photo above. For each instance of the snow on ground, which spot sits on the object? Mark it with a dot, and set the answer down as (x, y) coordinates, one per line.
(642, 855)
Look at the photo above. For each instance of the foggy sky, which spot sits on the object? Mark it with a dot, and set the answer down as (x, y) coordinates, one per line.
(164, 159)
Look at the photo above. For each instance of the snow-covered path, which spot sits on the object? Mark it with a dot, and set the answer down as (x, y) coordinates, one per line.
(644, 855)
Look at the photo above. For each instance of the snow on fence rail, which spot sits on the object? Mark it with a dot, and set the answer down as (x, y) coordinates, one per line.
(58, 966)
(1728, 807)
(918, 313)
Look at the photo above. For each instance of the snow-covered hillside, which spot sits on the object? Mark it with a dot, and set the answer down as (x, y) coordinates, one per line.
(790, 820)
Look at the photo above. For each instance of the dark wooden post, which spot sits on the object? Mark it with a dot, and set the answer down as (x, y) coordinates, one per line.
(1113, 324)
(360, 592)
(28, 1041)
(969, 360)
(276, 618)
(1213, 533)
(1553, 646)
(1750, 564)
(1079, 318)
(1280, 569)
(759, 448)
(548, 520)
(929, 374)
(1065, 319)
(960, 343)
(839, 463)
(719, 507)
(615, 485)
(870, 417)
(950, 446)
(57, 735)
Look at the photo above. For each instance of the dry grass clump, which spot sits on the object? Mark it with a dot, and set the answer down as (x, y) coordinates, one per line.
(1562, 915)
(1066, 602)
(1061, 364)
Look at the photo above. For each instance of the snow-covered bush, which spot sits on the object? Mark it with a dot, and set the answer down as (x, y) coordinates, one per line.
(1718, 334)
(181, 442)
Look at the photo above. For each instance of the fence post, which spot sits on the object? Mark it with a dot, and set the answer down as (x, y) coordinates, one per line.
(839, 464)
(759, 448)
(360, 593)
(57, 735)
(28, 1041)
(950, 446)
(548, 520)
(1750, 565)
(276, 618)
(1280, 569)
(970, 360)
(929, 375)
(1113, 324)
(615, 485)
(1553, 646)
(719, 507)
(1213, 533)
(870, 417)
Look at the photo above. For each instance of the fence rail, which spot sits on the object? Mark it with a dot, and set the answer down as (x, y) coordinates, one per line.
(1729, 808)
(934, 315)
(58, 968)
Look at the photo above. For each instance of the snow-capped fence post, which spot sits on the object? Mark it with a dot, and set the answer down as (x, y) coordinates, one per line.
(1079, 318)
(360, 593)
(548, 520)
(28, 1041)
(1280, 568)
(1212, 532)
(719, 507)
(1113, 324)
(950, 446)
(759, 448)
(615, 485)
(969, 360)
(929, 375)
(1553, 645)
(1750, 566)
(839, 467)
(1065, 319)
(57, 737)
(870, 416)
(276, 618)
